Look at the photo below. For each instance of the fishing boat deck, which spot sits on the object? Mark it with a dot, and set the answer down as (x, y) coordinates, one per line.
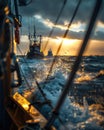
(23, 113)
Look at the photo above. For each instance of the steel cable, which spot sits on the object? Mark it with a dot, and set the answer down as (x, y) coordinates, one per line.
(64, 36)
(39, 87)
(76, 64)
(57, 19)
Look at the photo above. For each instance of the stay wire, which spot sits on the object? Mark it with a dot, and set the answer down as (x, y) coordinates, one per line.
(39, 87)
(76, 64)
(57, 19)
(64, 36)
(41, 91)
(25, 79)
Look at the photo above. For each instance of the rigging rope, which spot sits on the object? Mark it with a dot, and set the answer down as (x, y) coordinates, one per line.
(28, 85)
(62, 8)
(76, 64)
(24, 3)
(41, 91)
(64, 36)
(39, 87)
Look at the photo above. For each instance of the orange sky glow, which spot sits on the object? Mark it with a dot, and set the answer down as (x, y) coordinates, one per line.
(69, 47)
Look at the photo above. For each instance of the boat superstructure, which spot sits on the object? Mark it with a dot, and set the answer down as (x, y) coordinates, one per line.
(50, 54)
(35, 46)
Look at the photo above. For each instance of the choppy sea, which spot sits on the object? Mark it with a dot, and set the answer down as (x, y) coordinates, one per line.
(83, 108)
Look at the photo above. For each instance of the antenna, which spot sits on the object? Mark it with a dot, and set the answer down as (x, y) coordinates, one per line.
(29, 28)
(34, 31)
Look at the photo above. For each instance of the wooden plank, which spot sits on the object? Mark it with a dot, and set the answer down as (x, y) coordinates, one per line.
(24, 112)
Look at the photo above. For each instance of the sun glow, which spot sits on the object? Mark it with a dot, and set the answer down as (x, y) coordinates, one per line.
(66, 41)
(69, 46)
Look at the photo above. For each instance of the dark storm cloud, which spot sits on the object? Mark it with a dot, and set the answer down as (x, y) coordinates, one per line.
(99, 35)
(49, 9)
(44, 30)
(80, 35)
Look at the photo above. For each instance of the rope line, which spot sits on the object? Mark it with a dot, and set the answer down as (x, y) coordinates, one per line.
(64, 36)
(41, 91)
(39, 87)
(62, 8)
(28, 85)
(75, 67)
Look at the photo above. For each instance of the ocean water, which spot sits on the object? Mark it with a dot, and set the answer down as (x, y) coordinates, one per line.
(83, 108)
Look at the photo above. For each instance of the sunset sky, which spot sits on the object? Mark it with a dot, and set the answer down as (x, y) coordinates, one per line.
(43, 13)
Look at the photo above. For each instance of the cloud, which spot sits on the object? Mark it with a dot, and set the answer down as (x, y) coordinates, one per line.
(50, 9)
(47, 11)
(99, 35)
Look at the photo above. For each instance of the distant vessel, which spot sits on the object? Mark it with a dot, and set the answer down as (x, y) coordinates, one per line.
(35, 46)
(50, 54)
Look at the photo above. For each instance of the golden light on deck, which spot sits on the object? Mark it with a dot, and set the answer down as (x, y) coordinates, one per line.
(15, 44)
(35, 114)
(25, 106)
(22, 101)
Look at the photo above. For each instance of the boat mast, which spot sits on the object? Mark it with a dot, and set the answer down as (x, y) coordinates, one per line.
(29, 34)
(34, 34)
